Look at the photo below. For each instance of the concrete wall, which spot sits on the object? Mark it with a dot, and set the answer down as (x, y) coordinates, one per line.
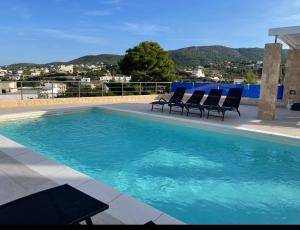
(292, 78)
(74, 101)
(269, 82)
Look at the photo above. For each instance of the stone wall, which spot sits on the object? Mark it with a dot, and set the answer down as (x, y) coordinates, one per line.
(292, 78)
(102, 100)
(269, 82)
(74, 101)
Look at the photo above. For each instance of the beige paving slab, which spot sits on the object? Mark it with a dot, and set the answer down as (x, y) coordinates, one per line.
(29, 157)
(22, 175)
(17, 180)
(131, 211)
(69, 176)
(165, 219)
(46, 167)
(9, 189)
(106, 219)
(99, 191)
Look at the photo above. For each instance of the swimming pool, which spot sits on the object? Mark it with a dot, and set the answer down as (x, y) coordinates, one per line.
(197, 175)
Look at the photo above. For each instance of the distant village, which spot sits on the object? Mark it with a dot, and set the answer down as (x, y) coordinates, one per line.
(85, 73)
(88, 74)
(75, 72)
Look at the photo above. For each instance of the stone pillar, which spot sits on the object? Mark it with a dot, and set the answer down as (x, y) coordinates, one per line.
(292, 77)
(269, 82)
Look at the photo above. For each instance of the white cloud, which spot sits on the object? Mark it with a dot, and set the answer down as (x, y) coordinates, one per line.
(145, 29)
(75, 37)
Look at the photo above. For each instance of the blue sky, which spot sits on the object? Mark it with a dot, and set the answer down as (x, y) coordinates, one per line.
(42, 31)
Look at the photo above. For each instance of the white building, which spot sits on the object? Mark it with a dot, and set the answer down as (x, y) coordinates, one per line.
(69, 69)
(117, 78)
(238, 80)
(45, 70)
(121, 78)
(106, 78)
(85, 80)
(15, 77)
(8, 87)
(91, 66)
(54, 89)
(216, 79)
(197, 72)
(3, 72)
(36, 73)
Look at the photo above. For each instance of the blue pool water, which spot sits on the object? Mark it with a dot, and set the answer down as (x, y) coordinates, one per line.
(195, 175)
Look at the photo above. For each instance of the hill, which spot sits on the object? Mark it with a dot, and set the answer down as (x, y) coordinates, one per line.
(190, 56)
(203, 55)
(108, 59)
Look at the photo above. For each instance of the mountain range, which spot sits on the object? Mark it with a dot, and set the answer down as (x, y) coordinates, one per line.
(190, 56)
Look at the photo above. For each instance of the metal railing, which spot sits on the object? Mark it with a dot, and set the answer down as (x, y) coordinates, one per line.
(62, 89)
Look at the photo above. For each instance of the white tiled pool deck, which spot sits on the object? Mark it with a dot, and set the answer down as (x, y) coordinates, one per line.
(23, 172)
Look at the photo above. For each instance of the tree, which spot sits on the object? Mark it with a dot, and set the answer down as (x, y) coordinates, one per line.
(251, 78)
(148, 62)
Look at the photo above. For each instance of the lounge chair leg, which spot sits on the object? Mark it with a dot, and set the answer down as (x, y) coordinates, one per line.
(89, 221)
(208, 114)
(162, 109)
(170, 110)
(201, 113)
(188, 112)
(239, 112)
(223, 115)
(182, 111)
(152, 107)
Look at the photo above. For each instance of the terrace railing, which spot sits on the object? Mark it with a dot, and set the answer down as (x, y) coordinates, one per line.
(24, 90)
(62, 89)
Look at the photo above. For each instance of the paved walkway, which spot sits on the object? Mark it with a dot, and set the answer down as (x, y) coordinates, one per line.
(287, 122)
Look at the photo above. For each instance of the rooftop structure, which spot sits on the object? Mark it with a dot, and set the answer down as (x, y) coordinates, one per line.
(289, 35)
(272, 71)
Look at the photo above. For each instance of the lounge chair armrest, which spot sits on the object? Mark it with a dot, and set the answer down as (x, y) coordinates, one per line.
(162, 99)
